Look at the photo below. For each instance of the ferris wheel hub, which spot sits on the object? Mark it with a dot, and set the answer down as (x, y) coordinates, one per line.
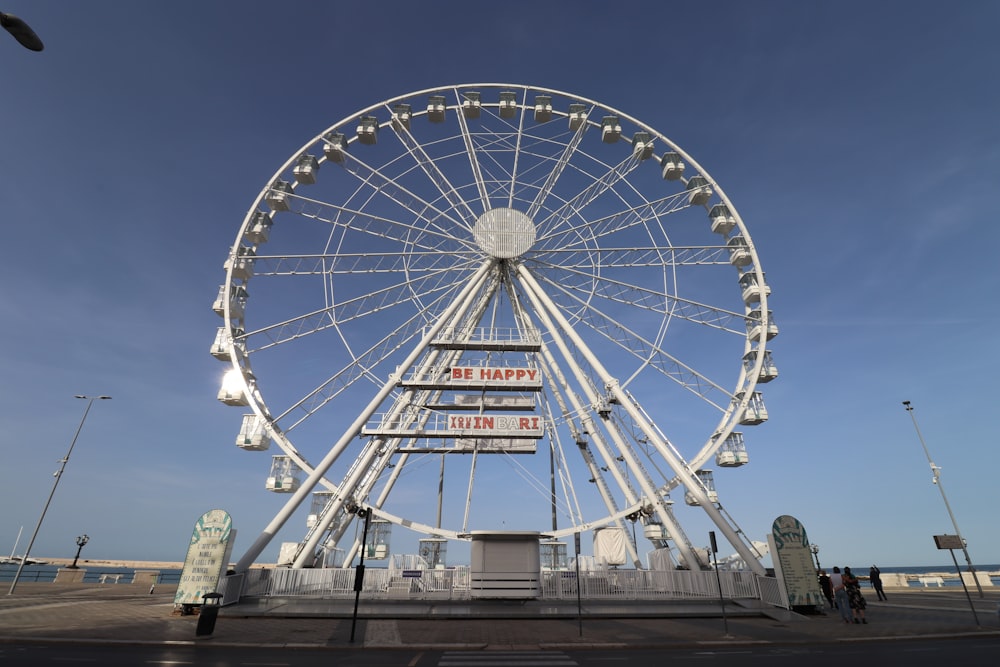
(504, 233)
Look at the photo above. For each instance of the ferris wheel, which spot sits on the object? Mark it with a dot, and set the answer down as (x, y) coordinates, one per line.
(496, 307)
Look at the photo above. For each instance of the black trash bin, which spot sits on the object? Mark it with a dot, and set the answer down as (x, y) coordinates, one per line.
(209, 612)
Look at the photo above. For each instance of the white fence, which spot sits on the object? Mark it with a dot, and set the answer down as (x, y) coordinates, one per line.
(454, 584)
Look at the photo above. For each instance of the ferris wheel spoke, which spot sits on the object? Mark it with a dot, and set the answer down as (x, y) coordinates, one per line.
(359, 367)
(378, 301)
(470, 149)
(605, 183)
(374, 301)
(644, 350)
(625, 258)
(440, 181)
(374, 179)
(376, 226)
(641, 296)
(572, 236)
(557, 170)
(428, 261)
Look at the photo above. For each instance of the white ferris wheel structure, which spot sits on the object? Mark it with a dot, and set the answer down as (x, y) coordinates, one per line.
(495, 306)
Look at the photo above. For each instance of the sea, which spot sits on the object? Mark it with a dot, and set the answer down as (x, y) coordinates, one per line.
(124, 575)
(92, 575)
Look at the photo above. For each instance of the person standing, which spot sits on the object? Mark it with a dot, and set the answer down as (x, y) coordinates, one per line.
(875, 577)
(840, 594)
(855, 599)
(826, 587)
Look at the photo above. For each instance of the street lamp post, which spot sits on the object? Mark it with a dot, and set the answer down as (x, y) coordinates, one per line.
(81, 542)
(814, 548)
(936, 471)
(58, 475)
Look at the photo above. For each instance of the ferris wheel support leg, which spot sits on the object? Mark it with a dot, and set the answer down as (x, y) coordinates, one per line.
(565, 394)
(303, 491)
(543, 307)
(679, 467)
(361, 479)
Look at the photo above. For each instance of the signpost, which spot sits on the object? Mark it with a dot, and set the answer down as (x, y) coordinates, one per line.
(952, 542)
(793, 563)
(207, 557)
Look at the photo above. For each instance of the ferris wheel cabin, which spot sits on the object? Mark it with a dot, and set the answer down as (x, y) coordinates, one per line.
(739, 251)
(277, 196)
(699, 191)
(334, 147)
(401, 115)
(436, 108)
(768, 370)
(707, 479)
(642, 145)
(752, 290)
(471, 104)
(722, 218)
(755, 412)
(671, 166)
(611, 129)
(237, 301)
(367, 130)
(543, 108)
(755, 327)
(253, 434)
(577, 116)
(733, 452)
(259, 230)
(305, 169)
(284, 477)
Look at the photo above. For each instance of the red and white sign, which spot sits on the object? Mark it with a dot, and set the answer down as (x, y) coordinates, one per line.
(495, 375)
(496, 424)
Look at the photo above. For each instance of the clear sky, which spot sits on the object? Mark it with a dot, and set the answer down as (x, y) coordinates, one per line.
(859, 141)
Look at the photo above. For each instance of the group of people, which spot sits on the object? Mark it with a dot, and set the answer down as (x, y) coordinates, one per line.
(843, 592)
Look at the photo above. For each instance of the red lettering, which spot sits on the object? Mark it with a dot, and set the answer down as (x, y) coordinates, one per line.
(524, 423)
(488, 422)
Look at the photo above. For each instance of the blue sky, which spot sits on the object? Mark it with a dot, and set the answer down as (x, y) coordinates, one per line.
(858, 141)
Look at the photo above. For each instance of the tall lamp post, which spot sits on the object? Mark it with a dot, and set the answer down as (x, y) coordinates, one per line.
(21, 31)
(936, 471)
(58, 475)
(81, 542)
(814, 548)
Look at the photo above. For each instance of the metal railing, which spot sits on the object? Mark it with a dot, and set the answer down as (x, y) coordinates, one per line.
(454, 584)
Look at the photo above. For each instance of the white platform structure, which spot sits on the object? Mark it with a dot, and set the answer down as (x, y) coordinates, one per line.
(491, 308)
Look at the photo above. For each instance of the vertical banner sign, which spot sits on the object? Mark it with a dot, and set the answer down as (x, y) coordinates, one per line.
(793, 564)
(207, 557)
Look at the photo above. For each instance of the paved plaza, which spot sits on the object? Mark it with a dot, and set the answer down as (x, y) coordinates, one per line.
(130, 613)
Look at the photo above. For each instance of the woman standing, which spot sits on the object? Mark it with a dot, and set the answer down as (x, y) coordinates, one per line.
(854, 597)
